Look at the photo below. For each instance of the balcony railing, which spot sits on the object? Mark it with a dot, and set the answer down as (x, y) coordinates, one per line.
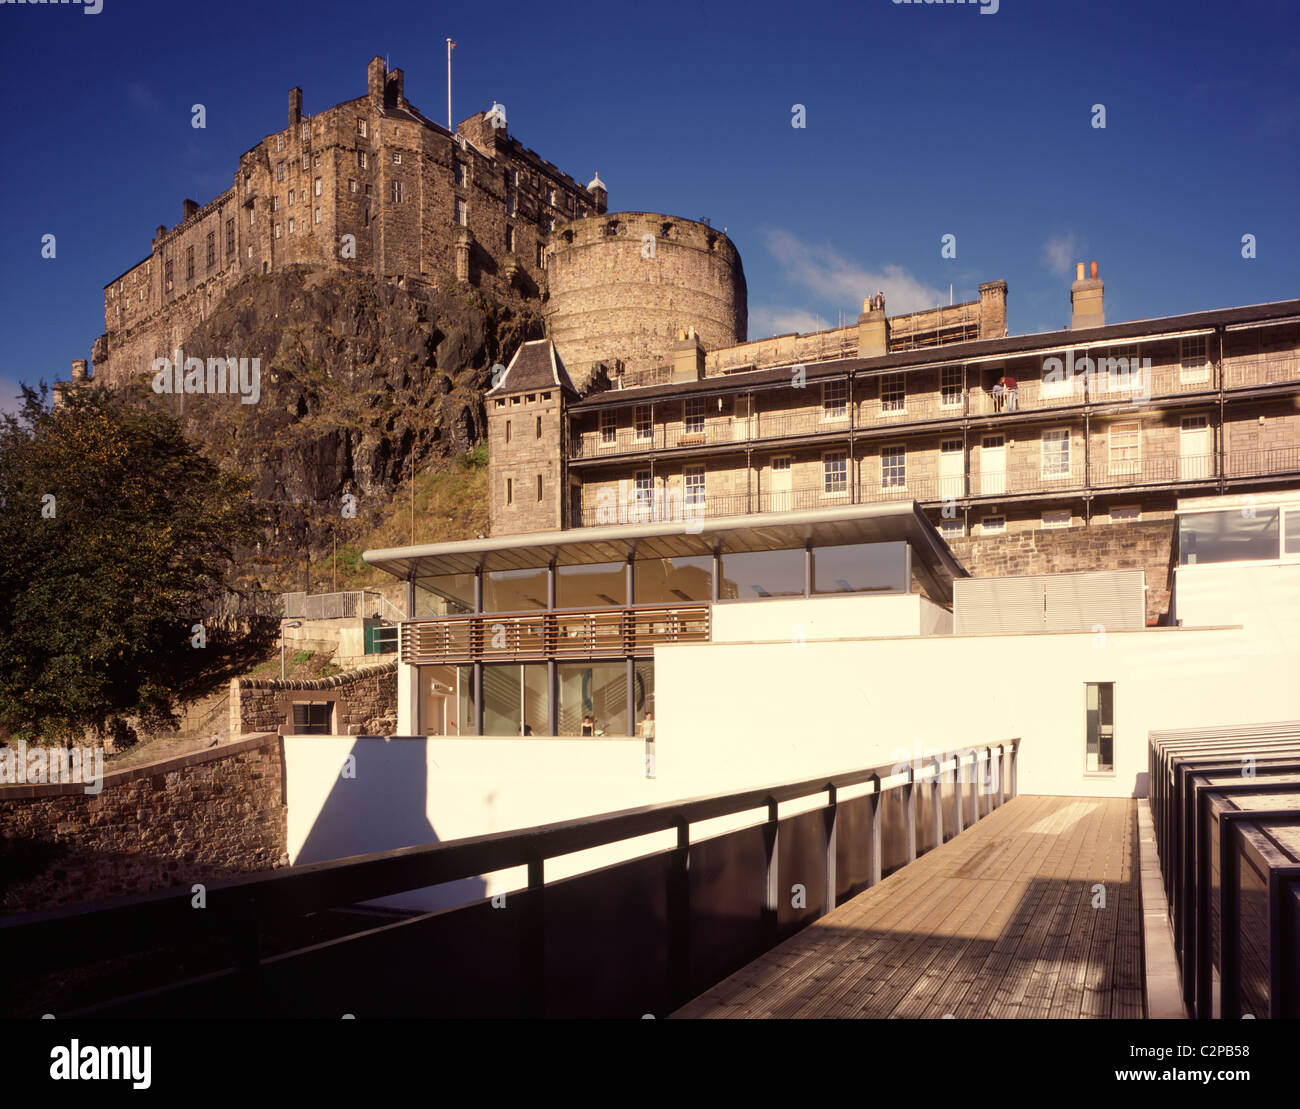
(577, 633)
(936, 405)
(1103, 473)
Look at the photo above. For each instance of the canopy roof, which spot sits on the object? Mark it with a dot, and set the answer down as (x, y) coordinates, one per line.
(932, 561)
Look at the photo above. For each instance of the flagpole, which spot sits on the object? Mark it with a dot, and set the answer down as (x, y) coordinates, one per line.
(450, 44)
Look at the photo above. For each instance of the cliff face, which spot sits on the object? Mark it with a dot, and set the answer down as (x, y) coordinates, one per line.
(359, 378)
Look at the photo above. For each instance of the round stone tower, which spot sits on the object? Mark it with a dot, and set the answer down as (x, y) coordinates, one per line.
(624, 286)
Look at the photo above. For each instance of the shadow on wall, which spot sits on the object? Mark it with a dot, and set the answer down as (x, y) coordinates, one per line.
(382, 804)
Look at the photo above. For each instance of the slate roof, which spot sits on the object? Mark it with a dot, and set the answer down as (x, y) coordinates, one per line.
(536, 365)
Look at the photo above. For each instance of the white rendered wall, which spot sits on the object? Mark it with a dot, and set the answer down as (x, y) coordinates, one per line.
(827, 618)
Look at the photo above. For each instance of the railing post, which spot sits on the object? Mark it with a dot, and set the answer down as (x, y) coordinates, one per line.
(909, 813)
(679, 919)
(1001, 767)
(873, 834)
(936, 793)
(1015, 769)
(975, 785)
(771, 877)
(957, 824)
(533, 937)
(830, 817)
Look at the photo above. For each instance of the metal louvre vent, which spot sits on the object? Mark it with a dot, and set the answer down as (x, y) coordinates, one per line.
(1114, 599)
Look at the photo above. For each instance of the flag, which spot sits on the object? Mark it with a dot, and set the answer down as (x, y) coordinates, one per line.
(451, 44)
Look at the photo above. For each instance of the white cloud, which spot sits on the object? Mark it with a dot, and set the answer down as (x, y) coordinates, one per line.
(1059, 253)
(821, 269)
(765, 320)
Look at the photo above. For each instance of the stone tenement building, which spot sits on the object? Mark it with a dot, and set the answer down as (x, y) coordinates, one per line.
(420, 202)
(1016, 458)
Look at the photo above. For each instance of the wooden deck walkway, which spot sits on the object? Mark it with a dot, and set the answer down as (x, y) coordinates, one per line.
(998, 922)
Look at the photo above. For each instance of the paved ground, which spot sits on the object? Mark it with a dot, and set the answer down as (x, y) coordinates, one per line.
(998, 922)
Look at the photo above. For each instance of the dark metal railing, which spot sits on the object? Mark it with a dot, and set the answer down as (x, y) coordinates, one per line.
(656, 922)
(1211, 792)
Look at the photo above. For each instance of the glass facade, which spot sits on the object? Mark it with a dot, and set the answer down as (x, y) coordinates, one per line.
(444, 595)
(598, 585)
(1230, 536)
(514, 699)
(860, 568)
(753, 575)
(670, 581)
(593, 694)
(514, 590)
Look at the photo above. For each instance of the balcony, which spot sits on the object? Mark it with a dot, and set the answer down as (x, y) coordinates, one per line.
(937, 405)
(579, 633)
(929, 489)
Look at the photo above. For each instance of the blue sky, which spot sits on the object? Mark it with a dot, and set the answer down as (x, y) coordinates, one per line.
(921, 121)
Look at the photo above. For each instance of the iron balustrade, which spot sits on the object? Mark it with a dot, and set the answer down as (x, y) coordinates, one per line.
(530, 954)
(557, 634)
(933, 404)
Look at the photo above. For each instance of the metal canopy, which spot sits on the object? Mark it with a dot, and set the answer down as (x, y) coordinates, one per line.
(932, 561)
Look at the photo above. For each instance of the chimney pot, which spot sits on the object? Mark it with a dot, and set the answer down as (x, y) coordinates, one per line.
(1078, 272)
(1093, 273)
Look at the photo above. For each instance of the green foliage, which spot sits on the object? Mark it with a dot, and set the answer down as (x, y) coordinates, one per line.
(99, 592)
(299, 657)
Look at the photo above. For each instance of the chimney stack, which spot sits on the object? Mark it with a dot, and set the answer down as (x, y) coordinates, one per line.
(79, 369)
(394, 91)
(688, 356)
(376, 72)
(188, 208)
(295, 107)
(1086, 300)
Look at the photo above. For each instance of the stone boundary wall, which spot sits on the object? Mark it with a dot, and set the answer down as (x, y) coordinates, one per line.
(1146, 545)
(364, 701)
(201, 817)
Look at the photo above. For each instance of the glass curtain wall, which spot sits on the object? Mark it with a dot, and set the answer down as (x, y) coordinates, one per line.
(598, 585)
(594, 695)
(670, 581)
(514, 699)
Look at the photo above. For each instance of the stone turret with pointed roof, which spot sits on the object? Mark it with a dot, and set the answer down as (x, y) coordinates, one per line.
(526, 437)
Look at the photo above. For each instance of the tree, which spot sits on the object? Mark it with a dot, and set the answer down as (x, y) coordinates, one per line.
(115, 536)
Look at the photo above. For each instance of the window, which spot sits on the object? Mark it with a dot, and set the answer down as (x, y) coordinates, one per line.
(279, 142)
(539, 487)
(361, 159)
(950, 387)
(1100, 728)
(694, 485)
(361, 128)
(510, 239)
(397, 158)
(311, 717)
(212, 249)
(835, 400)
(507, 431)
(1056, 452)
(893, 467)
(275, 203)
(396, 192)
(1125, 514)
(510, 204)
(510, 491)
(951, 529)
(306, 162)
(1291, 533)
(316, 161)
(1194, 368)
(461, 212)
(993, 525)
(277, 230)
(550, 224)
(643, 488)
(1057, 518)
(693, 416)
(642, 421)
(550, 197)
(541, 256)
(189, 263)
(292, 194)
(230, 236)
(291, 227)
(352, 185)
(167, 272)
(539, 427)
(608, 425)
(893, 393)
(316, 216)
(461, 173)
(316, 187)
(304, 132)
(835, 473)
(279, 172)
(1125, 448)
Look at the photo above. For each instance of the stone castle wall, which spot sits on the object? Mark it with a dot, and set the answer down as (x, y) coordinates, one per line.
(199, 818)
(613, 297)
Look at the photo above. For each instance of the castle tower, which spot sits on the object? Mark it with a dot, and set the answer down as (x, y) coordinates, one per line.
(625, 285)
(526, 418)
